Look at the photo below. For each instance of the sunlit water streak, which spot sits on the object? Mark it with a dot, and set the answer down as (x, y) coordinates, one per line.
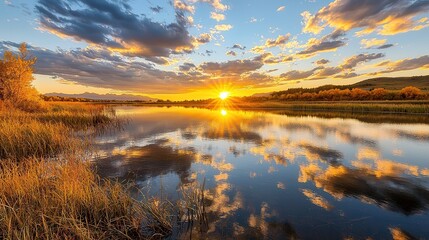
(276, 176)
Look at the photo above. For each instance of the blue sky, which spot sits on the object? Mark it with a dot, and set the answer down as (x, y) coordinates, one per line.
(184, 49)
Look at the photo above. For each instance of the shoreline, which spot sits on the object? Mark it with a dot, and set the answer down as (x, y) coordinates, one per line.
(372, 107)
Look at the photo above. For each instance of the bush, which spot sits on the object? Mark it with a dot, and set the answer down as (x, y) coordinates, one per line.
(411, 93)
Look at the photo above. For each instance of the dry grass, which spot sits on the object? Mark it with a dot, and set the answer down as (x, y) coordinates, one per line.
(48, 191)
(30, 138)
(41, 199)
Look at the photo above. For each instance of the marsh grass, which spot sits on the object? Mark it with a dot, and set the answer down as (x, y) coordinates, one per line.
(49, 191)
(42, 199)
(408, 107)
(51, 133)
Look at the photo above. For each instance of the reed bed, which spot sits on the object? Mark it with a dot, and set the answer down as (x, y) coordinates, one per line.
(31, 138)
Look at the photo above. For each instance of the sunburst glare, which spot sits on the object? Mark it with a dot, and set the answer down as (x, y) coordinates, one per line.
(223, 95)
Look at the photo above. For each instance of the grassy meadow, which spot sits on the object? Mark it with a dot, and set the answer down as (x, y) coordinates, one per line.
(48, 189)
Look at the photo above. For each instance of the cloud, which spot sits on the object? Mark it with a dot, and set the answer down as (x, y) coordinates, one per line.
(231, 53)
(185, 67)
(184, 6)
(216, 4)
(269, 58)
(386, 17)
(322, 61)
(204, 38)
(238, 46)
(386, 46)
(235, 67)
(156, 9)
(328, 43)
(223, 27)
(112, 25)
(217, 16)
(280, 8)
(347, 68)
(352, 62)
(406, 64)
(296, 74)
(280, 41)
(374, 42)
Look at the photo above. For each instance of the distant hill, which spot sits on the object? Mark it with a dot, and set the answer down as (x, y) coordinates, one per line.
(398, 83)
(95, 96)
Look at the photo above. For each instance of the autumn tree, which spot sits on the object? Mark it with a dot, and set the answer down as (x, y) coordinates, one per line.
(378, 93)
(411, 93)
(16, 76)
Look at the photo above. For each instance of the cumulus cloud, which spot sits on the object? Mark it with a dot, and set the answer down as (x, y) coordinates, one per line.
(297, 75)
(406, 64)
(186, 67)
(112, 25)
(352, 62)
(269, 58)
(386, 17)
(217, 16)
(223, 27)
(328, 43)
(238, 46)
(204, 38)
(235, 67)
(344, 70)
(231, 53)
(216, 4)
(322, 61)
(280, 41)
(184, 6)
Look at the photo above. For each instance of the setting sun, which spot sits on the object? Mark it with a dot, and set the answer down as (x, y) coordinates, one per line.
(224, 95)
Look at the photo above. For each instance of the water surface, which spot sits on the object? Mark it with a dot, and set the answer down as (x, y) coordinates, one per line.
(277, 175)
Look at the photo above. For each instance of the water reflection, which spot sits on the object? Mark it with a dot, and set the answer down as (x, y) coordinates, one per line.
(278, 176)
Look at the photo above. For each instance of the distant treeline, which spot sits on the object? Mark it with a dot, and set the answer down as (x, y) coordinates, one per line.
(325, 93)
(73, 99)
(355, 94)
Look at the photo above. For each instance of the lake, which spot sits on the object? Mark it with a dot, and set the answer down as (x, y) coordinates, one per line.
(280, 175)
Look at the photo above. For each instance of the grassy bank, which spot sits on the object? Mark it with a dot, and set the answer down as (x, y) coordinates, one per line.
(48, 190)
(408, 107)
(402, 106)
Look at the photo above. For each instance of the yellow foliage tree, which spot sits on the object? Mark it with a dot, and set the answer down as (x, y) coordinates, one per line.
(16, 76)
(411, 92)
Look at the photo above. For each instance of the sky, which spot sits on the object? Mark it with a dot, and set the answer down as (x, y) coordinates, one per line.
(194, 49)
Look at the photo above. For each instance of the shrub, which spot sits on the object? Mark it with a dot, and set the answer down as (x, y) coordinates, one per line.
(411, 93)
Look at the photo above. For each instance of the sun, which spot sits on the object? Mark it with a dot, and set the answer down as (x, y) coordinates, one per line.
(223, 95)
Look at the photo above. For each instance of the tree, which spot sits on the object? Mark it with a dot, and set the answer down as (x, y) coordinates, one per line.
(16, 76)
(359, 94)
(411, 93)
(378, 94)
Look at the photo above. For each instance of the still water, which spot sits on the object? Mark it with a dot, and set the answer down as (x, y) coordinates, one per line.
(276, 175)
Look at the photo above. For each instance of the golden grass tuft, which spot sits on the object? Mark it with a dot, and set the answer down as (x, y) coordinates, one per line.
(31, 138)
(42, 199)
(48, 190)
